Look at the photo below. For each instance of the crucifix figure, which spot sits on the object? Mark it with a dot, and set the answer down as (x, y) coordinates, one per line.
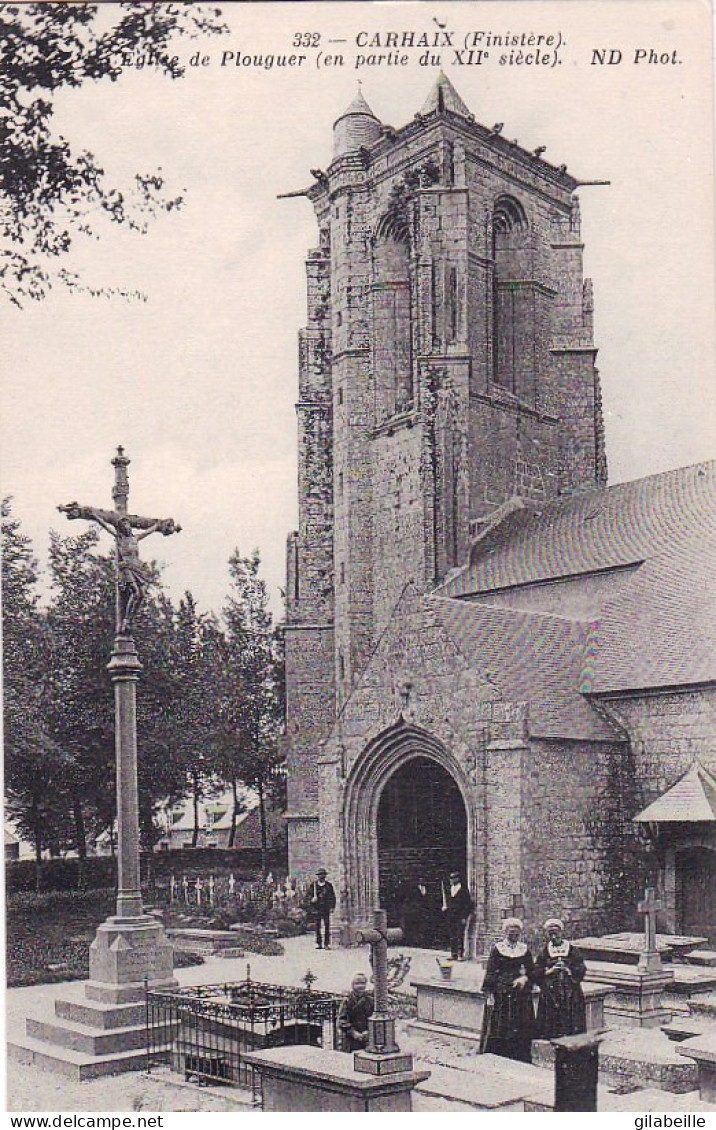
(382, 1055)
(133, 578)
(649, 905)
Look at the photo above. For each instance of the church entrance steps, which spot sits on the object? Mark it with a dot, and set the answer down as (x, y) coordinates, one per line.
(640, 1057)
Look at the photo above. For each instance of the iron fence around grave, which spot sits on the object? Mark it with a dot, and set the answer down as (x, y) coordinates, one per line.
(204, 1031)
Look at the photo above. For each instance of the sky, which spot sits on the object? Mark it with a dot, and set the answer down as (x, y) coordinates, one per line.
(199, 382)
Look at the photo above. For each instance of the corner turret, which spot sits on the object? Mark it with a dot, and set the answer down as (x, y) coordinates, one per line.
(356, 127)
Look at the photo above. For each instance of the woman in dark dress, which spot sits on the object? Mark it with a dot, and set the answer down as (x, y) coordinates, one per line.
(508, 1025)
(559, 972)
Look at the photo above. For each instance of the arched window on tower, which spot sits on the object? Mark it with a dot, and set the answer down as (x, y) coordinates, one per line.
(392, 337)
(513, 300)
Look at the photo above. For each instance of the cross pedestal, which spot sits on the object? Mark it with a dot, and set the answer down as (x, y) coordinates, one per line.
(382, 1056)
(130, 947)
(650, 958)
(379, 1079)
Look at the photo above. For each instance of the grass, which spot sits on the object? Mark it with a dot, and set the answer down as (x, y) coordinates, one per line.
(49, 935)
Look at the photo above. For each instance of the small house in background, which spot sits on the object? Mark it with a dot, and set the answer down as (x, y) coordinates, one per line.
(12, 847)
(214, 820)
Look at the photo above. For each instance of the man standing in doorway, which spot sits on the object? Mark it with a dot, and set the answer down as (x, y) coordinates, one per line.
(323, 899)
(458, 908)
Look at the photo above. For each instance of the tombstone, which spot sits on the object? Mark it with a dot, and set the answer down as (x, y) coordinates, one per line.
(198, 887)
(635, 997)
(650, 958)
(232, 886)
(576, 1072)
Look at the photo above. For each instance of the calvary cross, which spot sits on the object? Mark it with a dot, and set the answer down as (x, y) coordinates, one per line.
(132, 577)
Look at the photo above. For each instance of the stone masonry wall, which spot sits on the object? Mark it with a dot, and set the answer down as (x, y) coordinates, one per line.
(310, 712)
(564, 785)
(668, 732)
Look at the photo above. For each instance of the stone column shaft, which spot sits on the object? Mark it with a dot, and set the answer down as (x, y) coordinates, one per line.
(124, 668)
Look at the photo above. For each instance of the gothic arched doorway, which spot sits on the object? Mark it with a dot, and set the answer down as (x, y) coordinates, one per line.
(696, 892)
(422, 834)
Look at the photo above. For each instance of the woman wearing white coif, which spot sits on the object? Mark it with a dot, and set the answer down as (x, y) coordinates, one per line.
(559, 972)
(508, 1024)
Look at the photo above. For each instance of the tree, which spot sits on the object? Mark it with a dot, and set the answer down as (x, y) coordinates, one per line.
(49, 190)
(33, 763)
(252, 710)
(195, 688)
(80, 707)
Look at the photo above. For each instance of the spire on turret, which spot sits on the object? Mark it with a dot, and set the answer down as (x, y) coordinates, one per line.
(444, 96)
(356, 127)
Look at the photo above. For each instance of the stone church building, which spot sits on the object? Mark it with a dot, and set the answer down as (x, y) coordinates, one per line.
(495, 662)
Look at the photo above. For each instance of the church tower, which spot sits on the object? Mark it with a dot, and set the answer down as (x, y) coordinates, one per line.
(447, 365)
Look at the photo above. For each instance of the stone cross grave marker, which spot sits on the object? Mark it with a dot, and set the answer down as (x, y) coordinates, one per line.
(650, 959)
(382, 1055)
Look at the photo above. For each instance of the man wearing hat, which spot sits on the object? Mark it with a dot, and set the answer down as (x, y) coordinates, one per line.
(458, 906)
(323, 899)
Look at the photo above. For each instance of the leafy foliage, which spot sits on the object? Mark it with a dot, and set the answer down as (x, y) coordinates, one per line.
(51, 191)
(252, 707)
(209, 709)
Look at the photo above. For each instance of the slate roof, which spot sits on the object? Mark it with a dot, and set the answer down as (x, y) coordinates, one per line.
(593, 530)
(659, 628)
(691, 799)
(530, 657)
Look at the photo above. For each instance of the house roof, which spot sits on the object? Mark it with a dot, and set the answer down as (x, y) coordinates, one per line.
(692, 799)
(529, 657)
